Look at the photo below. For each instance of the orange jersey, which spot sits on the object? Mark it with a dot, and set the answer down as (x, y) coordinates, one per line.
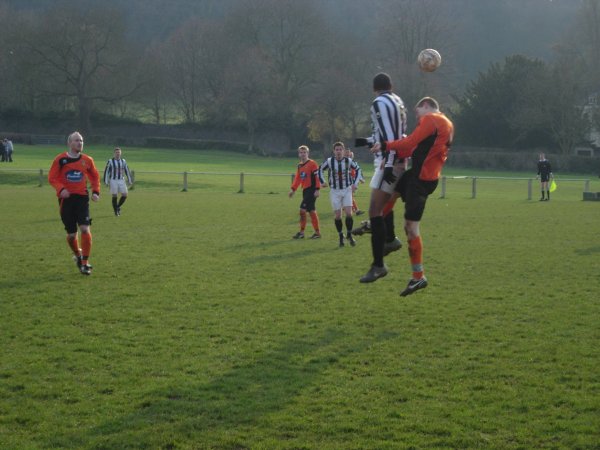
(307, 176)
(71, 173)
(428, 145)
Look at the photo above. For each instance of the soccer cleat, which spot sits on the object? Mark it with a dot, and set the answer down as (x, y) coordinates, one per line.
(85, 269)
(316, 236)
(392, 246)
(77, 260)
(365, 227)
(341, 241)
(351, 240)
(359, 212)
(413, 286)
(298, 235)
(374, 274)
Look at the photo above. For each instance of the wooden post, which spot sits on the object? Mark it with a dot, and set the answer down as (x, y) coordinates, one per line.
(185, 184)
(474, 188)
(443, 188)
(529, 188)
(132, 181)
(241, 191)
(41, 177)
(586, 186)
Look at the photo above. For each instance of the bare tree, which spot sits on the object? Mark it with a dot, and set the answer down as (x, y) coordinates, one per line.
(77, 54)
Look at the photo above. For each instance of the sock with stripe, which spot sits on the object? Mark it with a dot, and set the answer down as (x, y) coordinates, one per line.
(86, 246)
(415, 252)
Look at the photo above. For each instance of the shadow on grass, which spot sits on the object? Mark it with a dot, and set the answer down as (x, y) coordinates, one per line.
(240, 397)
(588, 251)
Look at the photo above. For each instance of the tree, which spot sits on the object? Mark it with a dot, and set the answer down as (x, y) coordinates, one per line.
(77, 54)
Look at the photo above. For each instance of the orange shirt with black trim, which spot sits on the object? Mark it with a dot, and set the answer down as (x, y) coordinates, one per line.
(427, 145)
(72, 174)
(307, 176)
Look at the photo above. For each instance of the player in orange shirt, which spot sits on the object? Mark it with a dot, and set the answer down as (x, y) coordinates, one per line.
(428, 147)
(307, 177)
(69, 174)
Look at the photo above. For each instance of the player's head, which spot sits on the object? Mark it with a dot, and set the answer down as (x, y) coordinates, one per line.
(349, 153)
(427, 105)
(75, 142)
(117, 153)
(338, 150)
(542, 156)
(382, 82)
(303, 152)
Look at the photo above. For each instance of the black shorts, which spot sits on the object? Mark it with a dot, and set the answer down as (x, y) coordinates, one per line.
(414, 193)
(308, 199)
(545, 177)
(74, 211)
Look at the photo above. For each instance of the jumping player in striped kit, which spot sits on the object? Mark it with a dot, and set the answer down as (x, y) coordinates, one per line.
(388, 118)
(114, 177)
(342, 183)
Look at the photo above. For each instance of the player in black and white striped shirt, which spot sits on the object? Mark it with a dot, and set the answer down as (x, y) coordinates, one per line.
(388, 117)
(114, 176)
(343, 178)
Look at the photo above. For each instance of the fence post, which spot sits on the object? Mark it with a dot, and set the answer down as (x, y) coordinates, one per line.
(586, 186)
(529, 188)
(474, 188)
(185, 184)
(241, 191)
(443, 187)
(41, 177)
(132, 181)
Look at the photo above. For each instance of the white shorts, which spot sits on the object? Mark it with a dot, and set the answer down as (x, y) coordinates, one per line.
(341, 198)
(118, 187)
(377, 180)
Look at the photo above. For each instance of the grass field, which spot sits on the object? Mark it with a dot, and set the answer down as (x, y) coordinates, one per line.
(205, 326)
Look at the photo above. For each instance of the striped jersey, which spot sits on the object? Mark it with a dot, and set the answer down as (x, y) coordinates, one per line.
(73, 174)
(116, 169)
(342, 173)
(388, 121)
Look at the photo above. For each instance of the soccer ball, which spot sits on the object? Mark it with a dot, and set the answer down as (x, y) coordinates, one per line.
(429, 60)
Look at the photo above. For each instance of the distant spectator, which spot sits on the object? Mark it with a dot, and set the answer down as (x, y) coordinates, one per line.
(3, 150)
(8, 148)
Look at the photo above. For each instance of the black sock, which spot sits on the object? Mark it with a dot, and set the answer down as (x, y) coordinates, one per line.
(390, 230)
(349, 224)
(114, 203)
(542, 194)
(377, 239)
(122, 200)
(338, 225)
(548, 195)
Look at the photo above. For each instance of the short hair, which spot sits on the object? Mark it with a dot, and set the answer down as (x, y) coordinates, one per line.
(70, 138)
(382, 82)
(117, 148)
(339, 144)
(304, 147)
(430, 101)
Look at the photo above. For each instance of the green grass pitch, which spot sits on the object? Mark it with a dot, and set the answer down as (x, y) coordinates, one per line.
(204, 325)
